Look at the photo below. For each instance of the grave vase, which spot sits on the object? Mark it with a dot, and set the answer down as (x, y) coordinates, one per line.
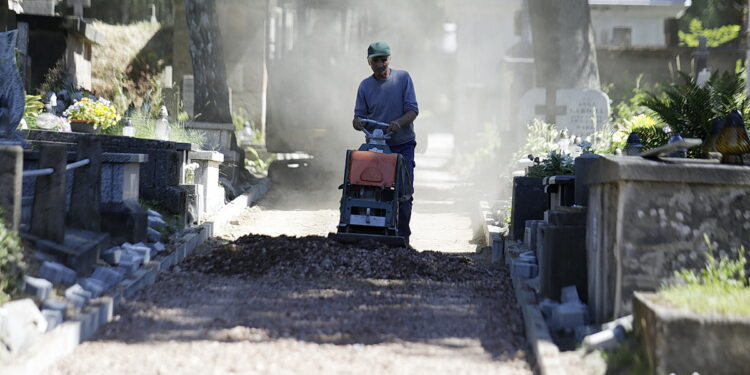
(82, 126)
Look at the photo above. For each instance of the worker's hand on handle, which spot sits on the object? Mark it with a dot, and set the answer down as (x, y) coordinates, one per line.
(358, 126)
(394, 126)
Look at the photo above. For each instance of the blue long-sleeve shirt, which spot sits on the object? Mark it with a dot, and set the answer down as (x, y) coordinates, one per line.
(386, 101)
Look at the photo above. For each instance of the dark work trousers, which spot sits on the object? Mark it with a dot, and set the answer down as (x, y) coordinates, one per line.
(404, 210)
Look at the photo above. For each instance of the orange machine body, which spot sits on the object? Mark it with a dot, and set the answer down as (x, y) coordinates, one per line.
(372, 168)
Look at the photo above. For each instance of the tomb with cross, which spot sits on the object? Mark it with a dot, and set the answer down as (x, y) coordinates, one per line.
(582, 112)
(550, 109)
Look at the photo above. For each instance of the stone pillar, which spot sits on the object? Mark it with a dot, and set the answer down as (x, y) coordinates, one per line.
(85, 211)
(121, 215)
(11, 168)
(207, 176)
(48, 213)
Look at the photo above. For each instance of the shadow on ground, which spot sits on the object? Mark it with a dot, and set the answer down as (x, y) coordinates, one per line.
(325, 309)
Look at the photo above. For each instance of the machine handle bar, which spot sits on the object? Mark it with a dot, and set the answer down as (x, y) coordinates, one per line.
(373, 122)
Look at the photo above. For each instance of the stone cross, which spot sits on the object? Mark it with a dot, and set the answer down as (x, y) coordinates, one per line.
(78, 6)
(550, 109)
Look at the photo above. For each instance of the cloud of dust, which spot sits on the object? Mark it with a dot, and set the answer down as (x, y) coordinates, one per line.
(462, 55)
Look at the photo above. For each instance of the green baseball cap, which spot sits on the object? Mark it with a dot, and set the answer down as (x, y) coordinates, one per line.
(378, 49)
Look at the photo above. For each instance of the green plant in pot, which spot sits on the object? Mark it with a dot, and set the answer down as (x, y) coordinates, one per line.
(695, 110)
(88, 115)
(556, 164)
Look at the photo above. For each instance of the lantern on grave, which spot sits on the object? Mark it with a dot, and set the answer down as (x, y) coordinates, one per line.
(732, 140)
(162, 125)
(680, 152)
(48, 120)
(633, 147)
(128, 130)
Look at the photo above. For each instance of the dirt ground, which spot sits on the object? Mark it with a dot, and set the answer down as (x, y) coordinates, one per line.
(272, 296)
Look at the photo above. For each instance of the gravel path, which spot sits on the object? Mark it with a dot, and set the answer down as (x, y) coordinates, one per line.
(272, 296)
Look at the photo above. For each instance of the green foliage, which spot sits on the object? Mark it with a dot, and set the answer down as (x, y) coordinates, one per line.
(541, 140)
(714, 13)
(556, 164)
(628, 358)
(723, 272)
(714, 37)
(145, 127)
(652, 136)
(255, 163)
(689, 109)
(12, 263)
(32, 109)
(722, 286)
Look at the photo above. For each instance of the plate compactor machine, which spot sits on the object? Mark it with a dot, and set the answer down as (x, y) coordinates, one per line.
(375, 182)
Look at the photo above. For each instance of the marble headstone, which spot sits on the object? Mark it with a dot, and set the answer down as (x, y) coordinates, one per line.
(12, 96)
(576, 109)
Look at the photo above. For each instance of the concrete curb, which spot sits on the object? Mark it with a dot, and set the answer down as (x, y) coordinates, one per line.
(63, 340)
(546, 352)
(235, 207)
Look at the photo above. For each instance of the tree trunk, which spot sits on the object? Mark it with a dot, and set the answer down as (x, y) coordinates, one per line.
(564, 51)
(211, 91)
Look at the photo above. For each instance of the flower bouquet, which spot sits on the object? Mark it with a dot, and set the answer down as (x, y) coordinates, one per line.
(91, 115)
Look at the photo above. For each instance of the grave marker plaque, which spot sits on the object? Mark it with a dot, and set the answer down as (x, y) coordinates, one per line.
(572, 109)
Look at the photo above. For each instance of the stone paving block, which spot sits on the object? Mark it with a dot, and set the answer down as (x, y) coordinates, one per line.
(524, 269)
(153, 235)
(159, 247)
(52, 304)
(24, 325)
(547, 306)
(53, 318)
(154, 213)
(94, 286)
(527, 256)
(112, 256)
(569, 294)
(77, 296)
(142, 250)
(130, 266)
(570, 315)
(39, 288)
(108, 276)
(156, 222)
(57, 273)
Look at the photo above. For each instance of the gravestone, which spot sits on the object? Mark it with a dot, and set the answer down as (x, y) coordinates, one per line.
(188, 95)
(12, 97)
(39, 7)
(78, 6)
(571, 109)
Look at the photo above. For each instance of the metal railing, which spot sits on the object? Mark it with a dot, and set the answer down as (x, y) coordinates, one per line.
(49, 171)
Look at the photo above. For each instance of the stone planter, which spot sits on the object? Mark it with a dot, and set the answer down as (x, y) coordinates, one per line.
(529, 203)
(78, 126)
(682, 342)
